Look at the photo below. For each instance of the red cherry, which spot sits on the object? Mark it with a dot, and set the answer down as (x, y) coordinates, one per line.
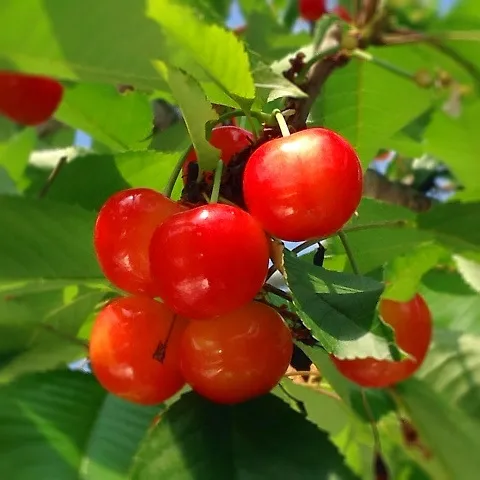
(125, 337)
(236, 356)
(28, 99)
(123, 230)
(311, 10)
(305, 185)
(209, 260)
(412, 324)
(229, 139)
(343, 13)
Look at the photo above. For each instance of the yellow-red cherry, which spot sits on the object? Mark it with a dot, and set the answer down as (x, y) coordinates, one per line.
(124, 343)
(209, 260)
(236, 356)
(412, 324)
(122, 235)
(305, 185)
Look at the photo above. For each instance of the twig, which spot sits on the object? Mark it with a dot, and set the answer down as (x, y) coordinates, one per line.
(174, 175)
(53, 175)
(348, 251)
(362, 55)
(276, 291)
(65, 336)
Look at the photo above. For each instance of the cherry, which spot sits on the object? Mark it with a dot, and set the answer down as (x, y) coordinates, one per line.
(124, 340)
(209, 260)
(305, 185)
(311, 10)
(229, 139)
(342, 13)
(236, 356)
(28, 99)
(412, 324)
(123, 230)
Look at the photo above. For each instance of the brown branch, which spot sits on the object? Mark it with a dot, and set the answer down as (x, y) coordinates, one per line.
(277, 291)
(379, 187)
(53, 175)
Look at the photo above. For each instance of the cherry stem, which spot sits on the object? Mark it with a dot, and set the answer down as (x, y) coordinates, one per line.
(281, 122)
(373, 422)
(161, 350)
(361, 54)
(316, 58)
(348, 251)
(217, 180)
(353, 228)
(53, 175)
(174, 175)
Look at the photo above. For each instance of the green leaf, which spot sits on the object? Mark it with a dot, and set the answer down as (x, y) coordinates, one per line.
(14, 154)
(404, 273)
(450, 433)
(455, 141)
(339, 309)
(469, 270)
(46, 241)
(372, 211)
(48, 334)
(219, 53)
(452, 302)
(376, 246)
(202, 440)
(76, 184)
(197, 111)
(355, 98)
(379, 400)
(132, 43)
(452, 223)
(120, 121)
(63, 425)
(451, 369)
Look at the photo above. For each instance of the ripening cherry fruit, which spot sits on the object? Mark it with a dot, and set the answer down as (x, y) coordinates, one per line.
(236, 356)
(28, 99)
(209, 260)
(229, 139)
(124, 340)
(311, 10)
(412, 324)
(122, 234)
(303, 186)
(342, 13)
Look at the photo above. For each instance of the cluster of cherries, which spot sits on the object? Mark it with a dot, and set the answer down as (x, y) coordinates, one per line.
(312, 10)
(207, 263)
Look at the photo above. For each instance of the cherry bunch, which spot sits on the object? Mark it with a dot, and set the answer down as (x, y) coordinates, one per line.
(208, 262)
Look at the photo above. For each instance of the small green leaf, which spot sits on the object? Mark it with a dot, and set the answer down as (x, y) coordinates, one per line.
(340, 310)
(404, 273)
(452, 302)
(452, 436)
(372, 211)
(63, 425)
(451, 369)
(46, 240)
(379, 401)
(469, 270)
(120, 121)
(199, 439)
(218, 52)
(14, 154)
(197, 111)
(48, 334)
(452, 223)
